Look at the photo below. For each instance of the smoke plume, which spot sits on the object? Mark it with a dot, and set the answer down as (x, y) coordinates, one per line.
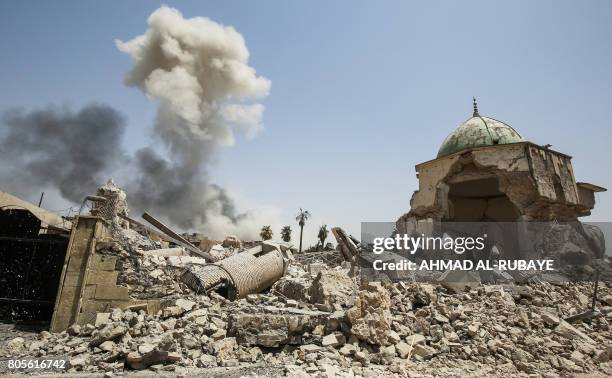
(59, 148)
(198, 73)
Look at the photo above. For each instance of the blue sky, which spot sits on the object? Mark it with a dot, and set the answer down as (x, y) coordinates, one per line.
(361, 91)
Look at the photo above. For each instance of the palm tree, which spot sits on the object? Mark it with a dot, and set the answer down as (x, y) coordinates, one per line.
(323, 232)
(286, 234)
(266, 233)
(301, 218)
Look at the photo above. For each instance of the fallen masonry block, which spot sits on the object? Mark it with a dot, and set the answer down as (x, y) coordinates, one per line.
(166, 252)
(415, 339)
(310, 348)
(550, 319)
(403, 349)
(458, 280)
(570, 332)
(333, 287)
(274, 330)
(181, 261)
(137, 361)
(424, 352)
(316, 267)
(371, 317)
(107, 333)
(334, 339)
(293, 288)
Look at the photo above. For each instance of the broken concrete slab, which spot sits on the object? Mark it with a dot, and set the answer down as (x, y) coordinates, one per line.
(333, 287)
(459, 280)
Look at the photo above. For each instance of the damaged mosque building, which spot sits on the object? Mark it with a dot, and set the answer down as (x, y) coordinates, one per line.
(486, 172)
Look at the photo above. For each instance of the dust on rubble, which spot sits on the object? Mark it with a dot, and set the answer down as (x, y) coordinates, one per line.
(418, 329)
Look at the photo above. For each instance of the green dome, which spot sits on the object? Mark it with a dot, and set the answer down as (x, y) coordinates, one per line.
(477, 132)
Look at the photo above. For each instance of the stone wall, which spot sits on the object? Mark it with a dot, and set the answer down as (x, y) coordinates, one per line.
(538, 181)
(89, 279)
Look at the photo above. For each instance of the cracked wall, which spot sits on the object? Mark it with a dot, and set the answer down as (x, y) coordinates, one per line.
(539, 183)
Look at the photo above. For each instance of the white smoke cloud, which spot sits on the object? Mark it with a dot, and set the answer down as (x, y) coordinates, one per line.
(198, 71)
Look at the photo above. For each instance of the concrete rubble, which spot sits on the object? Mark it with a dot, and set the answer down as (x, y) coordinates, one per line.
(390, 327)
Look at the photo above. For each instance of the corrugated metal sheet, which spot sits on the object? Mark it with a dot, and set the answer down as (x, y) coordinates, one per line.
(243, 274)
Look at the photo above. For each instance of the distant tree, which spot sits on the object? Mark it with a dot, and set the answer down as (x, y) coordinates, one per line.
(301, 218)
(266, 233)
(323, 232)
(286, 234)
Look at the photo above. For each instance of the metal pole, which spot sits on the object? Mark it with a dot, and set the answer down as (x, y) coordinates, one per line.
(42, 195)
(178, 238)
(595, 290)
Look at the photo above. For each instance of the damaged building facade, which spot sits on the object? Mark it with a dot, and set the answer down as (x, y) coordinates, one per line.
(485, 171)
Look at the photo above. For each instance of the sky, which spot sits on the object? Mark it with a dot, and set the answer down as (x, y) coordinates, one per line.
(361, 91)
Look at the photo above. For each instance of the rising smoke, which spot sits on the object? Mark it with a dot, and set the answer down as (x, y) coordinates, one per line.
(197, 71)
(59, 148)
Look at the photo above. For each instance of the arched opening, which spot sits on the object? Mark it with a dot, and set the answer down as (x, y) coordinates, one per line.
(478, 199)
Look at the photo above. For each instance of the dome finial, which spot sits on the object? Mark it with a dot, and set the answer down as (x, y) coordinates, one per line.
(475, 108)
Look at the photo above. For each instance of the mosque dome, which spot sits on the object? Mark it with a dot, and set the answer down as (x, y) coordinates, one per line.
(478, 131)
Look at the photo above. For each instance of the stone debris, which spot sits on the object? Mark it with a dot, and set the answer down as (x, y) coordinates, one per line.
(149, 276)
(333, 287)
(391, 327)
(294, 285)
(371, 317)
(218, 252)
(458, 280)
(231, 241)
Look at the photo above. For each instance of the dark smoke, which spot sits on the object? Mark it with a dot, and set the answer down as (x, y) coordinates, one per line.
(198, 73)
(56, 147)
(176, 191)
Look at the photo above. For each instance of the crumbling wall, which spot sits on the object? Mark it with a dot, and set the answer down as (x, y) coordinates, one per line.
(538, 181)
(553, 175)
(89, 279)
(102, 293)
(519, 182)
(114, 208)
(507, 162)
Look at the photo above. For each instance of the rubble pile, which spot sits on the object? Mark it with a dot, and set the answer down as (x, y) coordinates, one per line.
(370, 318)
(333, 287)
(518, 326)
(393, 327)
(151, 277)
(145, 275)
